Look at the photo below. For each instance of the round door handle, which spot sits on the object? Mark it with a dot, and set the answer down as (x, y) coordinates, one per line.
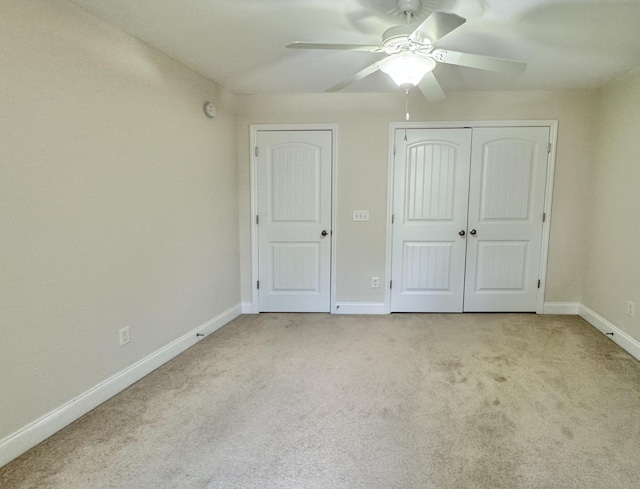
(462, 233)
(472, 232)
(324, 233)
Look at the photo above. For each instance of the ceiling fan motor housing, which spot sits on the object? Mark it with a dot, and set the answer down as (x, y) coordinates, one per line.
(397, 32)
(409, 6)
(397, 38)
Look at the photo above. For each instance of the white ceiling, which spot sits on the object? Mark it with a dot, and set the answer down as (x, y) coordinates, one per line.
(241, 43)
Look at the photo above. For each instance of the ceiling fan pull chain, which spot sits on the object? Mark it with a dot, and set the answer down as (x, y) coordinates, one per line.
(406, 110)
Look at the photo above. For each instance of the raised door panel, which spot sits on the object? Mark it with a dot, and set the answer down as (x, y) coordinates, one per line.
(506, 180)
(501, 266)
(426, 267)
(430, 182)
(295, 268)
(295, 183)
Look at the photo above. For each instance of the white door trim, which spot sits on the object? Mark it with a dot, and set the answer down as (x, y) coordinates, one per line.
(253, 138)
(551, 163)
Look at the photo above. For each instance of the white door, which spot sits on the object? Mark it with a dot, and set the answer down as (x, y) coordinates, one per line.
(294, 220)
(431, 184)
(506, 204)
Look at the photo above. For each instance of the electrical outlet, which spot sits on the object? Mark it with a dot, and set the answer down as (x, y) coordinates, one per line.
(124, 335)
(375, 282)
(631, 307)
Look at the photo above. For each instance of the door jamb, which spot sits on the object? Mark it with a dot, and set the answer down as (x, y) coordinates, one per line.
(253, 141)
(548, 196)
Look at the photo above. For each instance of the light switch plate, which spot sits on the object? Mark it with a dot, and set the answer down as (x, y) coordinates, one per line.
(361, 215)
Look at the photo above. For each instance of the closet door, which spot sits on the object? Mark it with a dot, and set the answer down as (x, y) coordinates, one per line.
(431, 185)
(506, 203)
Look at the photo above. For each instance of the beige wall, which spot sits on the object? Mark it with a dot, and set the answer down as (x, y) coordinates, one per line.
(118, 204)
(363, 132)
(613, 254)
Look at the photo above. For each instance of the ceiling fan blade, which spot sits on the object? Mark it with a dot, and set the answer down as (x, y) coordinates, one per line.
(339, 47)
(369, 70)
(431, 89)
(436, 26)
(479, 61)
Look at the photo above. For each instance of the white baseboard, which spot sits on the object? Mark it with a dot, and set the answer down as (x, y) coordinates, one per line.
(39, 430)
(361, 308)
(247, 308)
(571, 308)
(620, 337)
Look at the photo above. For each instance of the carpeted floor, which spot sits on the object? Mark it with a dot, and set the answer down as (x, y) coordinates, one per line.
(407, 401)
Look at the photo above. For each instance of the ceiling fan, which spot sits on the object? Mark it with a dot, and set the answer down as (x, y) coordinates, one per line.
(411, 54)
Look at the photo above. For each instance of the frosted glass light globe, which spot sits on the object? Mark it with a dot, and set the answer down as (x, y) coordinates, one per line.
(407, 69)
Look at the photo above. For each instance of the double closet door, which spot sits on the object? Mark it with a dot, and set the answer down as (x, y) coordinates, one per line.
(467, 219)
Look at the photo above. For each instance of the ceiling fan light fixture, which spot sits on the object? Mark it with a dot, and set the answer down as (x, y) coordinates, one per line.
(407, 69)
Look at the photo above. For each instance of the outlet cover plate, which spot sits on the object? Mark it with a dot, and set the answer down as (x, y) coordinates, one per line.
(124, 335)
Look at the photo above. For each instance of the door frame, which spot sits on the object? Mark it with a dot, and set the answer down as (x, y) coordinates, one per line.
(254, 129)
(548, 193)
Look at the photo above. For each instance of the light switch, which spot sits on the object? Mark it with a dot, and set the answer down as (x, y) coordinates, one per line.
(360, 215)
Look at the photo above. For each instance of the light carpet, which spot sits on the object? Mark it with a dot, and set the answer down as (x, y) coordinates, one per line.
(407, 401)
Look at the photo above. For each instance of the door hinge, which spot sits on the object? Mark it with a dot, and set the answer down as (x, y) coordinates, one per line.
(258, 284)
(394, 150)
(549, 148)
(393, 218)
(391, 284)
(544, 216)
(257, 219)
(256, 151)
(539, 283)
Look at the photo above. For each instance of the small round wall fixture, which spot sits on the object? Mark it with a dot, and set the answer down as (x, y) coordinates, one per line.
(210, 110)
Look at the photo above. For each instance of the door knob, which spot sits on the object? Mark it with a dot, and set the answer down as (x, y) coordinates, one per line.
(472, 232)
(461, 233)
(324, 233)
